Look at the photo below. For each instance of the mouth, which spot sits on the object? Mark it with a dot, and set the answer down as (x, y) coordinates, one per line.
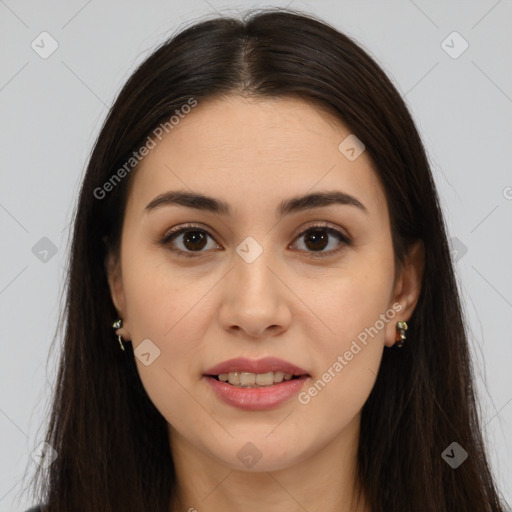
(254, 380)
(251, 373)
(256, 391)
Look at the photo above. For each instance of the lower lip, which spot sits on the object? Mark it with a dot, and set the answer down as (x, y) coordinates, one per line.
(257, 399)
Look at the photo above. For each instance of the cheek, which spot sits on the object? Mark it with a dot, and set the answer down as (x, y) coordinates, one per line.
(172, 315)
(160, 311)
(161, 296)
(351, 300)
(171, 309)
(346, 363)
(355, 313)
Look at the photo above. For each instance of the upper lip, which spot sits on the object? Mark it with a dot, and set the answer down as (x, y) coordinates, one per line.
(267, 364)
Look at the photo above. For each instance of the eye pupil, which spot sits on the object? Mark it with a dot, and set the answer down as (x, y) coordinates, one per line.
(319, 239)
(195, 237)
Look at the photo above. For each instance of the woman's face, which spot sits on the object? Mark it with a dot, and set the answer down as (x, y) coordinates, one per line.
(258, 280)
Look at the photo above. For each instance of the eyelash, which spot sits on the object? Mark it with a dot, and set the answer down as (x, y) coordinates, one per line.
(168, 237)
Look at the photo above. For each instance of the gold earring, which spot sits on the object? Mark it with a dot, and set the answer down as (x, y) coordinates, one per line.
(401, 327)
(117, 325)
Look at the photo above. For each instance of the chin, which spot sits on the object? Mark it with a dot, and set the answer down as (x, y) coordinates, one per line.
(261, 454)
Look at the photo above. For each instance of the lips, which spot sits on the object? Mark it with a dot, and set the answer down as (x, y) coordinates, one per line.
(267, 364)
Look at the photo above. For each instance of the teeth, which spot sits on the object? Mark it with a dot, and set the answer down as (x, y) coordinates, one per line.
(247, 379)
(278, 376)
(254, 380)
(264, 379)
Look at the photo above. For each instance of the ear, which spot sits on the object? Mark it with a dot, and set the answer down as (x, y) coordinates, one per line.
(115, 283)
(407, 288)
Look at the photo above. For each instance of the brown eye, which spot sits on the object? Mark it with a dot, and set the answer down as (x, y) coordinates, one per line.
(187, 240)
(317, 238)
(194, 240)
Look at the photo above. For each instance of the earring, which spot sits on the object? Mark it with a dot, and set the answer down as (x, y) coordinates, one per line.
(401, 327)
(117, 325)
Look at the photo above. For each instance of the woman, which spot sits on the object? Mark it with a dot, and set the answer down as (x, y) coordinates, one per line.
(262, 312)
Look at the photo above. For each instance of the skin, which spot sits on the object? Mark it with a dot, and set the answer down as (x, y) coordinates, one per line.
(306, 310)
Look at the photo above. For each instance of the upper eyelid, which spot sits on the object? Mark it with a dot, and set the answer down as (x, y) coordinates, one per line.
(300, 231)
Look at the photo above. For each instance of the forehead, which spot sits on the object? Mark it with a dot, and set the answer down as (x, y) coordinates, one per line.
(242, 150)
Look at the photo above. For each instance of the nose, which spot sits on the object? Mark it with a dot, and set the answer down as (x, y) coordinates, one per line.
(255, 298)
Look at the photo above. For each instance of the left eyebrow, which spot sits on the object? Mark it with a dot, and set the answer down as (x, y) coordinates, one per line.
(286, 207)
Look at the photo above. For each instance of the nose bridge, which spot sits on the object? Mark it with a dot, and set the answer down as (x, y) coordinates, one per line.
(253, 299)
(252, 262)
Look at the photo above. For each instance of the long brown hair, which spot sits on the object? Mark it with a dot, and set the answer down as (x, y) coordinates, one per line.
(112, 443)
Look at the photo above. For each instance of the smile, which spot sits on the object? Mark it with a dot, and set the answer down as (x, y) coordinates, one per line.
(247, 379)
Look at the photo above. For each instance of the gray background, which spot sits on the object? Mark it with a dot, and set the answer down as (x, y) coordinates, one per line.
(51, 110)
